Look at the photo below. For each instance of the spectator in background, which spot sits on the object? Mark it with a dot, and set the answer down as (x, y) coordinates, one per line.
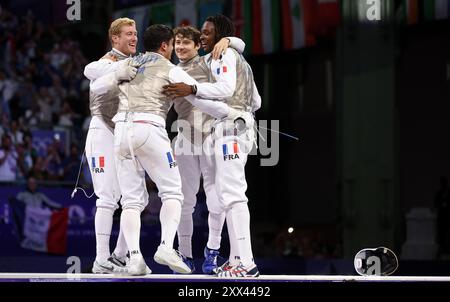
(16, 134)
(45, 106)
(8, 160)
(32, 197)
(53, 163)
(66, 115)
(8, 87)
(71, 164)
(24, 163)
(39, 171)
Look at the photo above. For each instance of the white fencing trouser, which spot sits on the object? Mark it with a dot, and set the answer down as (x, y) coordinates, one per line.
(100, 156)
(192, 166)
(152, 149)
(231, 149)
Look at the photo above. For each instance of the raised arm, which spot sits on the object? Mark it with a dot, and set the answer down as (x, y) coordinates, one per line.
(222, 46)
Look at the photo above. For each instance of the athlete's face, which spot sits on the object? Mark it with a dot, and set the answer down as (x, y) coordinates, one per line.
(208, 36)
(185, 48)
(126, 41)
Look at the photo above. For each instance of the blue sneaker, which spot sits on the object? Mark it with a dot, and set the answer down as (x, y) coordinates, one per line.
(189, 262)
(210, 263)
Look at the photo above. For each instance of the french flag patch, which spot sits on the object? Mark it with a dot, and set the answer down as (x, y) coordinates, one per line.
(224, 69)
(98, 162)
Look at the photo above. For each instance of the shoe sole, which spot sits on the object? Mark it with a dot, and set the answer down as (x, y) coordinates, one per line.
(176, 268)
(97, 269)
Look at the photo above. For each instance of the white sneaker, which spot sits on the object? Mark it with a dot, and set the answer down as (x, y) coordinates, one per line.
(135, 267)
(170, 257)
(124, 261)
(104, 267)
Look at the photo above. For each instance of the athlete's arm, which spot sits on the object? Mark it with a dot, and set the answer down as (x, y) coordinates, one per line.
(224, 72)
(256, 98)
(222, 46)
(213, 108)
(105, 83)
(105, 65)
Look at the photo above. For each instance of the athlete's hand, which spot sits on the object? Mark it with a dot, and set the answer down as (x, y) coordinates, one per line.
(125, 73)
(220, 48)
(177, 90)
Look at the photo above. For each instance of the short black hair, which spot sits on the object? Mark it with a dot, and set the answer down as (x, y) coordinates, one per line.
(224, 27)
(155, 35)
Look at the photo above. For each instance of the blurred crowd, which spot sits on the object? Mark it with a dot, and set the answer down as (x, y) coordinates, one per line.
(42, 87)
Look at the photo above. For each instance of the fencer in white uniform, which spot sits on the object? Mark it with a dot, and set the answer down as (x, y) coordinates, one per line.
(193, 163)
(99, 146)
(232, 138)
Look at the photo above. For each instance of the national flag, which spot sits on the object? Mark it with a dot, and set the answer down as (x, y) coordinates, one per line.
(223, 69)
(241, 15)
(163, 13)
(435, 9)
(411, 11)
(208, 8)
(98, 162)
(265, 26)
(442, 8)
(233, 150)
(328, 16)
(296, 33)
(186, 13)
(170, 158)
(40, 229)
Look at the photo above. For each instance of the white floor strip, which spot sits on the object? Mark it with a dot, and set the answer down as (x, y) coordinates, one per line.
(299, 278)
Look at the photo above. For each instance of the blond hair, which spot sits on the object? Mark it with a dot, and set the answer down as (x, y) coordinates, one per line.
(117, 24)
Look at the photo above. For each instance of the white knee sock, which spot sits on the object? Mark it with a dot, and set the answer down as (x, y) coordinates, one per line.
(234, 254)
(121, 246)
(103, 226)
(185, 231)
(130, 223)
(240, 217)
(169, 217)
(215, 224)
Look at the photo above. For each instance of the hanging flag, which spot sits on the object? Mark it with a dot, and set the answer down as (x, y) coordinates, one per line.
(410, 11)
(208, 8)
(435, 9)
(40, 229)
(442, 9)
(241, 16)
(141, 15)
(265, 26)
(428, 10)
(296, 33)
(328, 16)
(163, 13)
(186, 13)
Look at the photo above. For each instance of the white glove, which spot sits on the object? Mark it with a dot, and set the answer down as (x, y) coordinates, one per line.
(125, 73)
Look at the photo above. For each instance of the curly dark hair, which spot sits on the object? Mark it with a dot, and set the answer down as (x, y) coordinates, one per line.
(224, 27)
